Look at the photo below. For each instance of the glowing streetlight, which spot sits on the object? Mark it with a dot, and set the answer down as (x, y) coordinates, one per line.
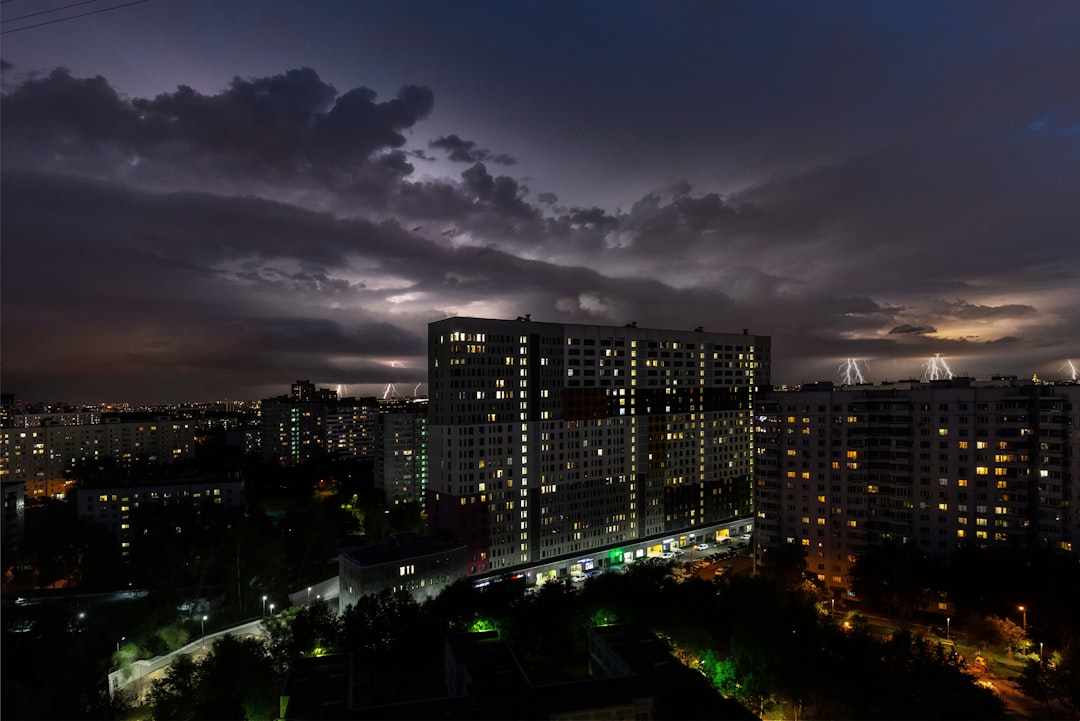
(264, 605)
(203, 622)
(271, 609)
(1023, 610)
(948, 623)
(309, 595)
(122, 638)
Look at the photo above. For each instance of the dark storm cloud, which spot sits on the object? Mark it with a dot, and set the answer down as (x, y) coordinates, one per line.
(292, 124)
(323, 336)
(501, 195)
(466, 151)
(208, 284)
(920, 329)
(969, 311)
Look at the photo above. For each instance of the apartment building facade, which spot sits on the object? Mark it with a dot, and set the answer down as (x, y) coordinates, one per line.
(312, 422)
(41, 457)
(941, 465)
(114, 505)
(401, 457)
(548, 440)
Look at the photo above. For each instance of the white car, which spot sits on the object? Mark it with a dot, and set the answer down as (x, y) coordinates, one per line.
(702, 547)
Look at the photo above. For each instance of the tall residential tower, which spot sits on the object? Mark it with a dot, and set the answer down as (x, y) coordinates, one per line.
(548, 440)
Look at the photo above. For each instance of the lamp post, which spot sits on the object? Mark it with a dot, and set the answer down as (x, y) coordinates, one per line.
(271, 609)
(309, 595)
(264, 605)
(832, 607)
(122, 638)
(948, 624)
(1040, 651)
(203, 622)
(1023, 610)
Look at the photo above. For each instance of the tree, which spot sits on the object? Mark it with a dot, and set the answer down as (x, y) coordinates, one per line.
(236, 680)
(1037, 681)
(64, 550)
(994, 631)
(302, 631)
(898, 578)
(785, 565)
(174, 695)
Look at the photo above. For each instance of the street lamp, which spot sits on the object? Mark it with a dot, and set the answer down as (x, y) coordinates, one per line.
(264, 605)
(118, 643)
(271, 609)
(948, 623)
(1023, 610)
(309, 595)
(832, 607)
(203, 622)
(1040, 651)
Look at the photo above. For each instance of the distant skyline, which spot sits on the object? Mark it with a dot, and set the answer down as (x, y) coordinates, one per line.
(205, 200)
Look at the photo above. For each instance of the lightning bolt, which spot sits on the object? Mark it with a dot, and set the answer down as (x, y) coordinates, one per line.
(850, 372)
(390, 389)
(936, 369)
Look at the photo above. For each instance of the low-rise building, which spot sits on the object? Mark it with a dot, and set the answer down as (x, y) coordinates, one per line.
(421, 565)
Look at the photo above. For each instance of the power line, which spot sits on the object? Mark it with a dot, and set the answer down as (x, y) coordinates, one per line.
(72, 17)
(46, 12)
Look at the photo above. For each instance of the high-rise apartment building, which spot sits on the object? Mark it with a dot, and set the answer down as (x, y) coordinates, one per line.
(548, 440)
(940, 464)
(294, 426)
(313, 422)
(401, 457)
(351, 425)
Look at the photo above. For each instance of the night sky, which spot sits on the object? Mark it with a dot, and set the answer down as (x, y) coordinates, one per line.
(208, 199)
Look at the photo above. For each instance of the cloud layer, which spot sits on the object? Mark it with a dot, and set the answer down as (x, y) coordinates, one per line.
(197, 245)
